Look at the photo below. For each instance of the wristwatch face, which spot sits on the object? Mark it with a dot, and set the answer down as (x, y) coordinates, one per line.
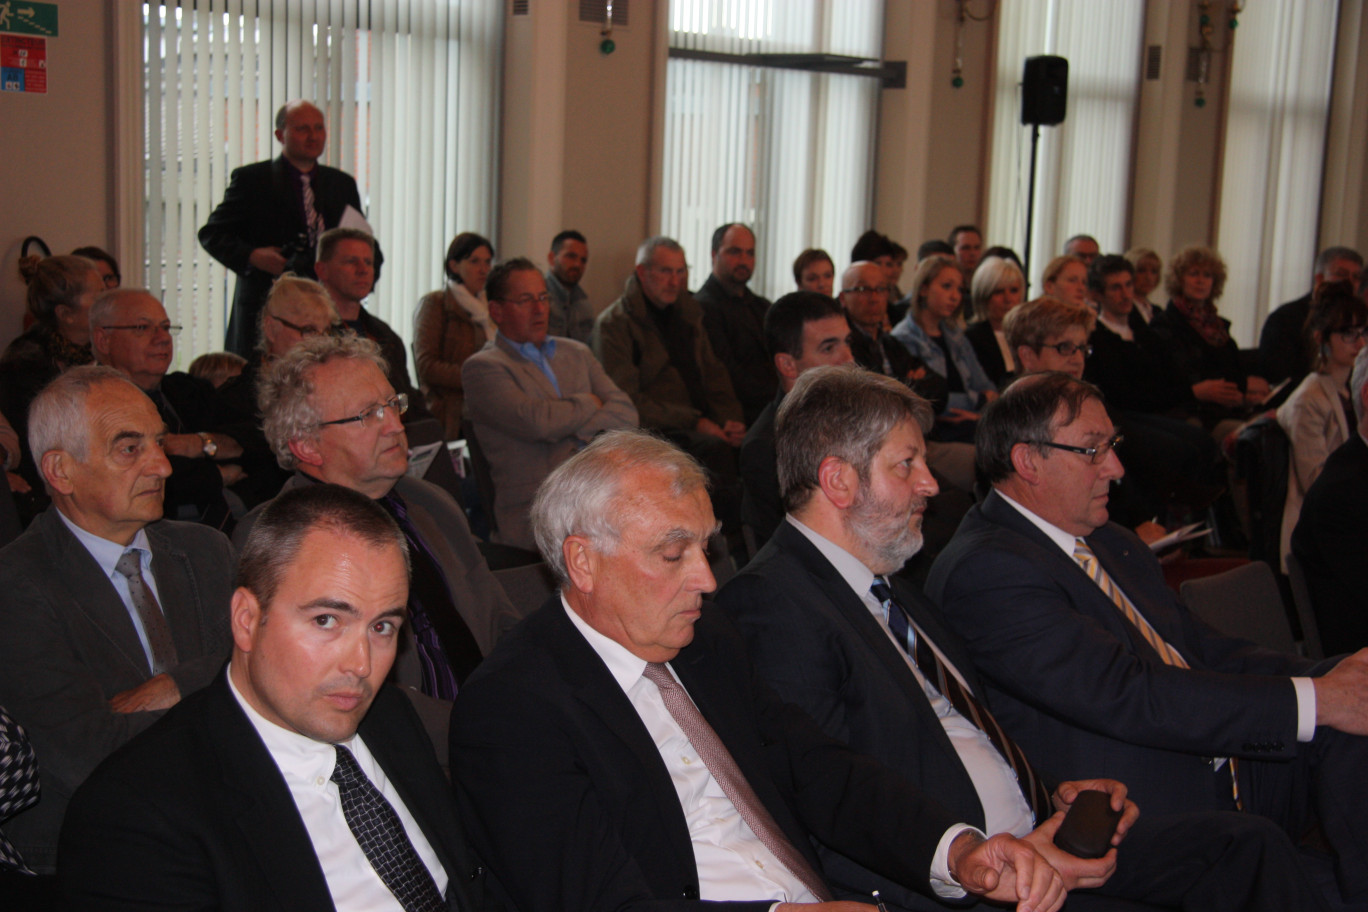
(210, 447)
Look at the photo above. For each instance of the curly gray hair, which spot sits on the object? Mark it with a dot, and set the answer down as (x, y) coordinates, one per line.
(286, 389)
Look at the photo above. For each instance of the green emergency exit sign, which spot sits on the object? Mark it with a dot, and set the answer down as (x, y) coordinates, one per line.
(25, 18)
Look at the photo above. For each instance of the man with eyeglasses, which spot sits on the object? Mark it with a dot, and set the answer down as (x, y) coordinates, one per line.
(346, 268)
(130, 331)
(332, 416)
(864, 295)
(1092, 663)
(652, 343)
(533, 399)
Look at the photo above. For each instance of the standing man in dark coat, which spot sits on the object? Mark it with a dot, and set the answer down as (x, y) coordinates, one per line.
(272, 214)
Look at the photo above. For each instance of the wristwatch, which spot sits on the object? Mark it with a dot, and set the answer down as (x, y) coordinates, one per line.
(210, 448)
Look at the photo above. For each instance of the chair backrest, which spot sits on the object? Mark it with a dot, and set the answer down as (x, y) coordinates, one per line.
(527, 586)
(1301, 597)
(484, 479)
(1244, 602)
(1263, 459)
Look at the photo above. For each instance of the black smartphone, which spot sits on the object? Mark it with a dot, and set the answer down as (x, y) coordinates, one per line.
(1088, 826)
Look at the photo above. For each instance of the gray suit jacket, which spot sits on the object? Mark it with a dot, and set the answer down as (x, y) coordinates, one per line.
(526, 429)
(69, 646)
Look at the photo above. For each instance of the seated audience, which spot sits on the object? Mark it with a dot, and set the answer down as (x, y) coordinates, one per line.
(832, 629)
(105, 265)
(933, 247)
(572, 316)
(452, 324)
(734, 318)
(298, 779)
(1147, 402)
(1148, 269)
(346, 268)
(1201, 344)
(1066, 278)
(59, 294)
(652, 343)
(1331, 538)
(131, 332)
(997, 287)
(802, 330)
(1006, 253)
(1094, 666)
(332, 416)
(534, 400)
(966, 241)
(1083, 246)
(814, 271)
(1286, 350)
(565, 743)
(111, 613)
(931, 334)
(217, 367)
(1319, 415)
(880, 249)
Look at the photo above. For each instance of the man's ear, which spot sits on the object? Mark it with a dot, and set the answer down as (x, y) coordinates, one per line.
(305, 449)
(245, 615)
(581, 562)
(839, 481)
(56, 467)
(1026, 462)
(280, 136)
(786, 366)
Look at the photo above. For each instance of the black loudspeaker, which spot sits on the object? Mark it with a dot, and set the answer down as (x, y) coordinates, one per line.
(1044, 90)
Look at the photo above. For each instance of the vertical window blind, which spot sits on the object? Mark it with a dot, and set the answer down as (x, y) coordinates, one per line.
(410, 89)
(1274, 153)
(1084, 164)
(790, 153)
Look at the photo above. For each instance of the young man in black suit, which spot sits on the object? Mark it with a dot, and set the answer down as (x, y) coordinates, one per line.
(852, 462)
(297, 779)
(616, 750)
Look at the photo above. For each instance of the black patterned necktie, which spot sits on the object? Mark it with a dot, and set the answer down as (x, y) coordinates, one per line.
(149, 612)
(18, 784)
(381, 836)
(964, 702)
(723, 768)
(312, 218)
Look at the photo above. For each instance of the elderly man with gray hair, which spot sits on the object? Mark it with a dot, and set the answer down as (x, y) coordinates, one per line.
(111, 613)
(616, 748)
(1331, 537)
(332, 416)
(653, 344)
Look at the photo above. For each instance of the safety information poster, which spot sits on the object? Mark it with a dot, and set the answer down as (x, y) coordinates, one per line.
(23, 64)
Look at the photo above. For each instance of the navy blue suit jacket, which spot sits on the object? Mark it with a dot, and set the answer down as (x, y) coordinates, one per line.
(1078, 686)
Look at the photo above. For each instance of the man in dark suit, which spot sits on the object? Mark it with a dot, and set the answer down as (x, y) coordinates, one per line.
(616, 749)
(1331, 536)
(272, 215)
(851, 451)
(734, 317)
(1094, 666)
(93, 653)
(803, 329)
(1283, 343)
(297, 779)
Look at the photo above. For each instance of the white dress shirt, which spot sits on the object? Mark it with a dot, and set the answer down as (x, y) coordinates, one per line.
(307, 766)
(107, 553)
(1304, 687)
(733, 864)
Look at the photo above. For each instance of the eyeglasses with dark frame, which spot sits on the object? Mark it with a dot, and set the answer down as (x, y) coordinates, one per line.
(305, 331)
(866, 290)
(1352, 334)
(374, 415)
(1096, 455)
(1066, 349)
(142, 329)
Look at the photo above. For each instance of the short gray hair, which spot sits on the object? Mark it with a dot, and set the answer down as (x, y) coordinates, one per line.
(286, 290)
(57, 417)
(1328, 256)
(1357, 381)
(649, 246)
(579, 497)
(107, 304)
(286, 389)
(842, 411)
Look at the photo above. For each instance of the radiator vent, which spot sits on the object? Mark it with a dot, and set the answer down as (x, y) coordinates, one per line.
(1154, 57)
(596, 11)
(522, 7)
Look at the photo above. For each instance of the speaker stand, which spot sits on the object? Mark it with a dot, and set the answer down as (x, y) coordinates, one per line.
(1030, 205)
